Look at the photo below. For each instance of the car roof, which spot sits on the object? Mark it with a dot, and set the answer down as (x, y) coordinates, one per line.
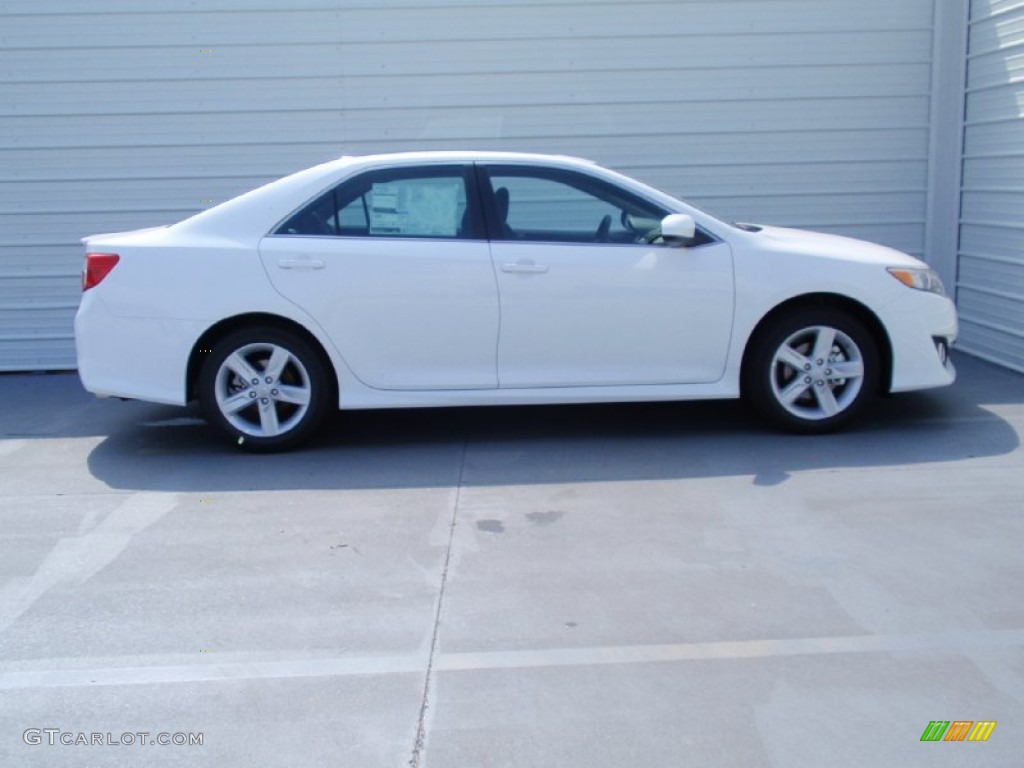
(457, 156)
(436, 157)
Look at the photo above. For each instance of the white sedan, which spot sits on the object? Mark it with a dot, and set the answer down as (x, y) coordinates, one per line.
(473, 278)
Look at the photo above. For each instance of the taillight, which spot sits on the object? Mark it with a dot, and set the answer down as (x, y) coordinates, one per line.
(97, 267)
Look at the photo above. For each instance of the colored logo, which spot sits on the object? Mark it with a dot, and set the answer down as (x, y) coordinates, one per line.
(958, 730)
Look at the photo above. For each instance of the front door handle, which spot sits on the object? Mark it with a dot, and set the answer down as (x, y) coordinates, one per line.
(524, 268)
(301, 263)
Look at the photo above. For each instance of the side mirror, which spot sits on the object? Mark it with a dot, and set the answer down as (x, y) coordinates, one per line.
(678, 229)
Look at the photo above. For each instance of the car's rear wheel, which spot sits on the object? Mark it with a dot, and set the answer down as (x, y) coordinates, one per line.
(265, 388)
(812, 370)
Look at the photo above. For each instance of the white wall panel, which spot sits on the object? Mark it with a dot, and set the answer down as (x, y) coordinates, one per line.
(991, 280)
(119, 114)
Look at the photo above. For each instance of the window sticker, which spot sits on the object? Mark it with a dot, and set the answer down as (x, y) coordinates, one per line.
(416, 208)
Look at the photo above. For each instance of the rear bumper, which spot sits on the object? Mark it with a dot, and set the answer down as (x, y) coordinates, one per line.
(136, 358)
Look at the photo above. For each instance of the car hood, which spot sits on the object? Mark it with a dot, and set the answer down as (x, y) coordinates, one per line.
(819, 244)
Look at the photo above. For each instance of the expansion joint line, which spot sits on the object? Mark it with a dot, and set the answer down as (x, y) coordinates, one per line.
(421, 726)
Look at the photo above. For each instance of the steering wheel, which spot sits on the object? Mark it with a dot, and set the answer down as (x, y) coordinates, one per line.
(643, 236)
(651, 237)
(601, 236)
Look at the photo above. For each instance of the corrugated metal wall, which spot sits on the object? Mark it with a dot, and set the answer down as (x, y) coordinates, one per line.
(991, 280)
(117, 114)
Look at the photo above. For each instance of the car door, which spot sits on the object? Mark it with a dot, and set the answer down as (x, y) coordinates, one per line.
(394, 266)
(584, 302)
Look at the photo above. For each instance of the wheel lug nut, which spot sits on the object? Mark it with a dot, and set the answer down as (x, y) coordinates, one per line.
(807, 367)
(273, 392)
(255, 382)
(269, 380)
(828, 372)
(807, 380)
(821, 383)
(821, 362)
(264, 401)
(252, 394)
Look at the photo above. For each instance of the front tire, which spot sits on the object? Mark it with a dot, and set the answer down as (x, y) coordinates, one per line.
(265, 388)
(812, 370)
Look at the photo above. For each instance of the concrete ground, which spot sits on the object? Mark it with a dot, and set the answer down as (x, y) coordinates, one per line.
(655, 585)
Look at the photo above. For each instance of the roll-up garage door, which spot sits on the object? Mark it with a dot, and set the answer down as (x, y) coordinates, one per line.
(991, 276)
(120, 114)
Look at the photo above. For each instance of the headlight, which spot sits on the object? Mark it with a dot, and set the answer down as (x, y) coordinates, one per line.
(919, 279)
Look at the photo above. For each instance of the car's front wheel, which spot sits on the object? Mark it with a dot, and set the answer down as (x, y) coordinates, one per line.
(265, 388)
(812, 370)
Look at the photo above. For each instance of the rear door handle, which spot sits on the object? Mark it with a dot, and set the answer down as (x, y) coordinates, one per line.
(524, 268)
(301, 263)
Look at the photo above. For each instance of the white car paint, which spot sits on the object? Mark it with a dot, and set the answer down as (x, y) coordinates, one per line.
(415, 323)
(613, 315)
(445, 333)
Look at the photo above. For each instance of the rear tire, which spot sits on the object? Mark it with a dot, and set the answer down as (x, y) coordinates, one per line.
(812, 370)
(265, 389)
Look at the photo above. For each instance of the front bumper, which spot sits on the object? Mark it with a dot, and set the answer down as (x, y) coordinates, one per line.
(922, 329)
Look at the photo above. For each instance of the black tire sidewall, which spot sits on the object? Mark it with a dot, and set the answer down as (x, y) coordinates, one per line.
(320, 389)
(757, 371)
